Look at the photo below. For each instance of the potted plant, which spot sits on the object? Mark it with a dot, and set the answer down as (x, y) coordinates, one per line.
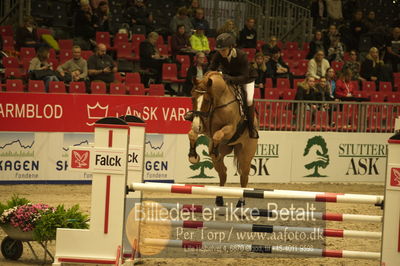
(22, 220)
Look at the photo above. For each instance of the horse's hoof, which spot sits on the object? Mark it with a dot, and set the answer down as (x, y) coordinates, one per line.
(194, 159)
(219, 201)
(240, 203)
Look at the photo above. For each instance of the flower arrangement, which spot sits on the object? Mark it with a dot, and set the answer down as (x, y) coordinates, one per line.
(41, 219)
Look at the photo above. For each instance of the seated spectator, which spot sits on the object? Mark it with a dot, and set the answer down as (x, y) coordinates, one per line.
(199, 20)
(150, 58)
(324, 94)
(180, 43)
(316, 44)
(181, 18)
(101, 67)
(74, 69)
(268, 47)
(330, 78)
(354, 65)
(137, 12)
(260, 65)
(344, 87)
(199, 41)
(195, 71)
(228, 27)
(84, 27)
(317, 66)
(26, 35)
(278, 68)
(336, 51)
(41, 69)
(248, 35)
(101, 17)
(372, 68)
(357, 28)
(329, 36)
(393, 49)
(306, 91)
(191, 10)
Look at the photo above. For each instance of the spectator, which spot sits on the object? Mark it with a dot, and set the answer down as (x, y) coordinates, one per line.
(84, 27)
(228, 27)
(181, 18)
(317, 66)
(26, 35)
(316, 44)
(329, 36)
(393, 49)
(199, 41)
(278, 68)
(101, 17)
(248, 35)
(195, 71)
(260, 65)
(271, 45)
(199, 20)
(74, 69)
(336, 51)
(101, 66)
(354, 65)
(150, 58)
(331, 81)
(357, 28)
(371, 23)
(41, 69)
(180, 43)
(334, 9)
(372, 68)
(318, 12)
(306, 91)
(192, 9)
(324, 94)
(137, 12)
(344, 87)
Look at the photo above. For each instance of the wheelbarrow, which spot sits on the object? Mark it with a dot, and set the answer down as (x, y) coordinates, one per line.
(12, 247)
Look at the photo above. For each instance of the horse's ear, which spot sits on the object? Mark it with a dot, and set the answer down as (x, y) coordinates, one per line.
(209, 82)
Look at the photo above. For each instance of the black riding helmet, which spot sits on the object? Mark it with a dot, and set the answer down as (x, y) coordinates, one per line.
(225, 40)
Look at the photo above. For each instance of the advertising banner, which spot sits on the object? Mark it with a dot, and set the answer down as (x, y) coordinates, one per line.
(38, 112)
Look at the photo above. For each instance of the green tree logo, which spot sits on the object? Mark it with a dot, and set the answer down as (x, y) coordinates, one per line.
(318, 150)
(205, 160)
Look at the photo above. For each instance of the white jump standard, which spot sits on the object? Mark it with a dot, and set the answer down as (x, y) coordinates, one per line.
(116, 186)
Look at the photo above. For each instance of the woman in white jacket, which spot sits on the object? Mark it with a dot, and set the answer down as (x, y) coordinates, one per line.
(317, 66)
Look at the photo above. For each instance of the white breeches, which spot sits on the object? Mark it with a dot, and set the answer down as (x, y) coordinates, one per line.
(249, 87)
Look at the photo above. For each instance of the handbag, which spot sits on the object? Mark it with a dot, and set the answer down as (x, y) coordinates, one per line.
(41, 74)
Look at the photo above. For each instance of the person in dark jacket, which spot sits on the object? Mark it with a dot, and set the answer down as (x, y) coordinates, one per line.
(248, 35)
(84, 27)
(316, 44)
(260, 65)
(26, 35)
(195, 71)
(372, 68)
(199, 20)
(137, 13)
(180, 43)
(236, 70)
(278, 68)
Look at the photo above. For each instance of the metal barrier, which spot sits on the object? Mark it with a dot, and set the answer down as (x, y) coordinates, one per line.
(327, 116)
(12, 11)
(288, 21)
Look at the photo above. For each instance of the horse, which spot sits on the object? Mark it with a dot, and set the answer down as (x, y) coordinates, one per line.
(217, 115)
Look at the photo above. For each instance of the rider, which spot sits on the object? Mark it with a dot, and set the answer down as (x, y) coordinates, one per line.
(237, 71)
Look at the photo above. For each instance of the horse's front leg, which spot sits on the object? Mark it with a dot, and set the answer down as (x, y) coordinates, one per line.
(224, 133)
(193, 156)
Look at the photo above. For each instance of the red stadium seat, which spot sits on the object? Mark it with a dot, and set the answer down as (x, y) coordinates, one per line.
(86, 54)
(98, 87)
(132, 78)
(6, 30)
(65, 55)
(41, 31)
(120, 38)
(368, 86)
(268, 83)
(57, 87)
(291, 46)
(12, 73)
(170, 73)
(337, 66)
(117, 88)
(251, 53)
(65, 44)
(378, 97)
(27, 52)
(14, 85)
(211, 43)
(163, 49)
(271, 94)
(295, 82)
(136, 89)
(156, 90)
(282, 83)
(10, 62)
(393, 97)
(77, 87)
(183, 59)
(124, 51)
(8, 43)
(104, 38)
(385, 86)
(184, 70)
(138, 38)
(36, 86)
(288, 94)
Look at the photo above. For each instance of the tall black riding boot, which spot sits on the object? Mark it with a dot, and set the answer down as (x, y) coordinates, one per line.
(250, 120)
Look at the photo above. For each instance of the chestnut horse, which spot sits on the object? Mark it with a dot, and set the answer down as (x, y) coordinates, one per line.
(217, 115)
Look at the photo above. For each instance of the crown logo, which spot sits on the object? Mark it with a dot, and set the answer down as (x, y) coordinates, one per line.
(96, 112)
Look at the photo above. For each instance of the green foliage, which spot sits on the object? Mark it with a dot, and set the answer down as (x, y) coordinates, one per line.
(14, 201)
(46, 227)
